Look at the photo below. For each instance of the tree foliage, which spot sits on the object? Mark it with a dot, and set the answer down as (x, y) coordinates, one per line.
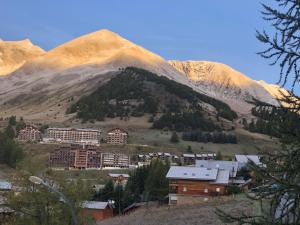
(10, 151)
(279, 188)
(135, 91)
(283, 46)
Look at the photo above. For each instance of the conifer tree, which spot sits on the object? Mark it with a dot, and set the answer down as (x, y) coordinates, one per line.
(279, 191)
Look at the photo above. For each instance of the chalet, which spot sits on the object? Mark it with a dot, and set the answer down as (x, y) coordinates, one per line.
(231, 166)
(193, 182)
(97, 210)
(117, 136)
(243, 160)
(189, 159)
(30, 134)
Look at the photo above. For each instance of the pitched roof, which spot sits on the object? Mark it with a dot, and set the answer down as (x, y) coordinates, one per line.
(94, 205)
(118, 175)
(248, 158)
(189, 155)
(192, 173)
(222, 177)
(231, 166)
(117, 129)
(75, 129)
(4, 185)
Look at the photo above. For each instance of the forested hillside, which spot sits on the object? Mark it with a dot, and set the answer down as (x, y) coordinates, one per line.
(134, 92)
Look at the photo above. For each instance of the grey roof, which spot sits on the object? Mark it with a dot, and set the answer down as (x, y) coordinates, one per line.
(189, 155)
(247, 158)
(222, 177)
(5, 185)
(192, 173)
(232, 166)
(70, 128)
(118, 175)
(94, 205)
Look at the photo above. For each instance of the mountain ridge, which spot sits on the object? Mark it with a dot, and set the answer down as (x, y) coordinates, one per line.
(14, 54)
(96, 54)
(224, 82)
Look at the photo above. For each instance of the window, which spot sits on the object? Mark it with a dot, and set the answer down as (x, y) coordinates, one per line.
(218, 189)
(205, 190)
(184, 189)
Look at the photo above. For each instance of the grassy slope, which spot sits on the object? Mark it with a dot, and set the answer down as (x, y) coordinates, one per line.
(140, 133)
(201, 214)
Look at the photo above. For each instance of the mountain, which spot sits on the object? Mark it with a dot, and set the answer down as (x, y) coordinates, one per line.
(14, 54)
(43, 85)
(224, 83)
(134, 92)
(77, 66)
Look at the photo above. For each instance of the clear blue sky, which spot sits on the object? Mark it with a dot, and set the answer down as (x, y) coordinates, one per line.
(215, 30)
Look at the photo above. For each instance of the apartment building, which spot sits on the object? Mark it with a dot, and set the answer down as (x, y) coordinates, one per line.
(115, 160)
(117, 136)
(86, 158)
(75, 157)
(30, 134)
(73, 135)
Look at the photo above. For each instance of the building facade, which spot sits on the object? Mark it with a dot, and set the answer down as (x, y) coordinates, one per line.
(114, 160)
(30, 134)
(72, 135)
(86, 158)
(97, 210)
(75, 157)
(117, 136)
(193, 182)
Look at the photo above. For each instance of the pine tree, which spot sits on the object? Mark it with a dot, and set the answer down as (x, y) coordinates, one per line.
(279, 189)
(174, 138)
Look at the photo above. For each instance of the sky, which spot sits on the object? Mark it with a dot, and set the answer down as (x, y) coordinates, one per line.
(213, 30)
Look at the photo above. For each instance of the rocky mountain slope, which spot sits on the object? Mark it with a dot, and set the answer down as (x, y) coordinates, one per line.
(87, 59)
(14, 54)
(222, 82)
(37, 84)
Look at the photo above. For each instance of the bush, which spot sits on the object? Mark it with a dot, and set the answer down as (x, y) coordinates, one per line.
(174, 138)
(231, 189)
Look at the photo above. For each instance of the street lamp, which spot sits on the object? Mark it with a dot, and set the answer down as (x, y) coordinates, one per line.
(39, 181)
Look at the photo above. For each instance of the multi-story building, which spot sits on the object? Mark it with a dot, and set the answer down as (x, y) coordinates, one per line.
(188, 159)
(30, 133)
(79, 158)
(72, 135)
(86, 158)
(115, 160)
(192, 184)
(117, 136)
